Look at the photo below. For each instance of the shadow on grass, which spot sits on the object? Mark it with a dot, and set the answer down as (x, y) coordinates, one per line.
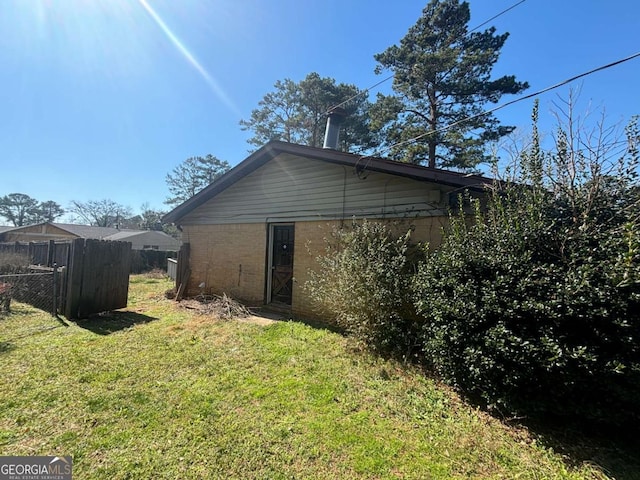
(612, 448)
(110, 322)
(6, 347)
(615, 451)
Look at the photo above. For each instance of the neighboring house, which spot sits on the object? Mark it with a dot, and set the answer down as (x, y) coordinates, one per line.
(147, 240)
(255, 232)
(42, 232)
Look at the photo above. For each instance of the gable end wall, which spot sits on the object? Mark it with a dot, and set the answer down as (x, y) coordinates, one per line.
(290, 189)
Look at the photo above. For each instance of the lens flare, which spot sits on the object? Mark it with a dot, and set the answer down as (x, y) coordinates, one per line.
(217, 89)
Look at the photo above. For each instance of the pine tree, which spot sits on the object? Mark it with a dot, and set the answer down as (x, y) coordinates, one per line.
(192, 175)
(442, 75)
(296, 112)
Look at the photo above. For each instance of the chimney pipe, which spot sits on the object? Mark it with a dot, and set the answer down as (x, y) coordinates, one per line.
(332, 132)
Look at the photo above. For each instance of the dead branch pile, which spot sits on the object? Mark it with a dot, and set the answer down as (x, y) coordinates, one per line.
(221, 307)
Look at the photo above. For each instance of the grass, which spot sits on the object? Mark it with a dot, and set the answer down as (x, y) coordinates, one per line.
(155, 391)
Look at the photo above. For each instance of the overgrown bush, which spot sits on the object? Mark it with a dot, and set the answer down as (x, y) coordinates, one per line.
(362, 283)
(535, 306)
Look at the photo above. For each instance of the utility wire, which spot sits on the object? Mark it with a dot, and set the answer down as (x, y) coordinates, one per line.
(511, 102)
(386, 79)
(362, 92)
(496, 16)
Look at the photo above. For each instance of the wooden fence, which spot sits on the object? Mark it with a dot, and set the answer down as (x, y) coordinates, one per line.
(96, 274)
(183, 271)
(41, 253)
(97, 277)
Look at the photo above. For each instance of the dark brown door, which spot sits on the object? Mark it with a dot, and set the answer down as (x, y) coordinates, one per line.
(282, 264)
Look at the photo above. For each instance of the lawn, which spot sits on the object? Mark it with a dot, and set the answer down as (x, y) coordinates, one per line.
(157, 391)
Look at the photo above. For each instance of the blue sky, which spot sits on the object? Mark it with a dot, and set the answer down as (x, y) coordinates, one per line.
(102, 98)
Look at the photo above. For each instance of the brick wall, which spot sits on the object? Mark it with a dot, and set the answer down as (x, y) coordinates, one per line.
(310, 244)
(228, 259)
(231, 258)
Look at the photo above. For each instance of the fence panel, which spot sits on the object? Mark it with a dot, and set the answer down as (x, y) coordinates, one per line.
(38, 289)
(183, 271)
(17, 248)
(98, 278)
(60, 255)
(40, 253)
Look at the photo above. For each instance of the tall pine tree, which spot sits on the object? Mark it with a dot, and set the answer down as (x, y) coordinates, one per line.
(442, 74)
(192, 175)
(296, 112)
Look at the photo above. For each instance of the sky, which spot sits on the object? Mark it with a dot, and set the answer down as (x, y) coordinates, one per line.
(100, 99)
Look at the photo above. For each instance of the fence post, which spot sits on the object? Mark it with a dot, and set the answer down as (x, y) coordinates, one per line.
(74, 278)
(55, 290)
(51, 253)
(183, 263)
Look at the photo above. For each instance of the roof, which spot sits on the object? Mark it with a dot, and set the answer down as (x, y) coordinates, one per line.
(358, 162)
(124, 234)
(86, 231)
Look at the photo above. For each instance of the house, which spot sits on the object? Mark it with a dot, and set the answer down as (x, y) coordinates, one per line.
(42, 232)
(147, 240)
(255, 232)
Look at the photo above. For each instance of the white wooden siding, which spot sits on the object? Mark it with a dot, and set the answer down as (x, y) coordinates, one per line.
(292, 188)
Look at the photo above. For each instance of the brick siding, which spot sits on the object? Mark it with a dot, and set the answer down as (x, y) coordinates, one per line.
(231, 258)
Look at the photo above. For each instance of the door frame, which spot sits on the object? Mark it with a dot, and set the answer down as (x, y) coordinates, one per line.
(270, 266)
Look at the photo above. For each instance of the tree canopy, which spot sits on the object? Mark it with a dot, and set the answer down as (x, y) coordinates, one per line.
(295, 112)
(192, 175)
(100, 213)
(442, 75)
(49, 211)
(21, 209)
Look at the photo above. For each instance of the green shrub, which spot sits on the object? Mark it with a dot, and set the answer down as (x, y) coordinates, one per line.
(535, 306)
(362, 284)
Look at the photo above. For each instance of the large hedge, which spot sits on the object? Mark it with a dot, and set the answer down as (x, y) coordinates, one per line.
(535, 306)
(532, 303)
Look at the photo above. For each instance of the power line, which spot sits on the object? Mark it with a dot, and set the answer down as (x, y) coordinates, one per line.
(511, 102)
(496, 16)
(386, 79)
(362, 92)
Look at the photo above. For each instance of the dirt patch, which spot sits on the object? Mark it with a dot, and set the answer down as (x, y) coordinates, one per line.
(258, 320)
(224, 308)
